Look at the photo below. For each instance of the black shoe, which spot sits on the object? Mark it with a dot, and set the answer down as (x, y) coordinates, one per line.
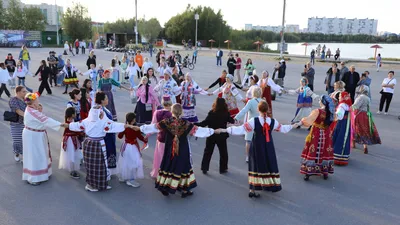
(64, 93)
(186, 194)
(204, 171)
(306, 177)
(223, 171)
(253, 195)
(74, 175)
(165, 193)
(325, 176)
(309, 128)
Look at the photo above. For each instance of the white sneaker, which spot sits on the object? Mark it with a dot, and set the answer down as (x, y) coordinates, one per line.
(247, 159)
(121, 180)
(386, 113)
(16, 158)
(133, 183)
(90, 188)
(379, 112)
(109, 187)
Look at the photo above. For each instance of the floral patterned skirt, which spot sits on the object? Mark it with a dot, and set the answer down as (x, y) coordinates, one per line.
(364, 132)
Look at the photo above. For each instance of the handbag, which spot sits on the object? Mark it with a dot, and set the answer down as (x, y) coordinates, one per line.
(381, 92)
(149, 107)
(10, 116)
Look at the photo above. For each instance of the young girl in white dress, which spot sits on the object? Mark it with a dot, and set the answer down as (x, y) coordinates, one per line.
(130, 163)
(70, 155)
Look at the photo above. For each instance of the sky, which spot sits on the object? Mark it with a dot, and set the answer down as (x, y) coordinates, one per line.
(256, 12)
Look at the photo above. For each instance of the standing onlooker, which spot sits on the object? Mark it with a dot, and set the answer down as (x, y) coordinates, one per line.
(219, 55)
(351, 79)
(158, 57)
(332, 76)
(387, 92)
(364, 80)
(378, 62)
(77, 46)
(248, 71)
(71, 50)
(147, 65)
(44, 77)
(4, 77)
(10, 63)
(25, 57)
(343, 70)
(194, 57)
(90, 45)
(151, 49)
(18, 106)
(66, 48)
(312, 56)
(231, 64)
(52, 60)
(91, 59)
(238, 67)
(83, 46)
(281, 72)
(139, 63)
(309, 73)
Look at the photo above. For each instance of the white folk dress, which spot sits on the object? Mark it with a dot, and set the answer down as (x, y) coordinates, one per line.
(37, 157)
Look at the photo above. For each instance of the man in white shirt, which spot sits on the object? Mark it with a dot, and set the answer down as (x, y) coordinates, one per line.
(219, 55)
(83, 46)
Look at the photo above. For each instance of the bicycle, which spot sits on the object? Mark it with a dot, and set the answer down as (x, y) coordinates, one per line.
(187, 63)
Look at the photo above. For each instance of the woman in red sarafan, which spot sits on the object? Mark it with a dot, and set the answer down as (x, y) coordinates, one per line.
(364, 130)
(317, 155)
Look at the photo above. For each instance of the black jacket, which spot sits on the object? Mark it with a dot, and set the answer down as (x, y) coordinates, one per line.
(216, 120)
(91, 60)
(10, 62)
(351, 86)
(231, 64)
(329, 77)
(220, 82)
(44, 73)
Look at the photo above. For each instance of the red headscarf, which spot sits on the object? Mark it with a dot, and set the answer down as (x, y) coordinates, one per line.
(345, 98)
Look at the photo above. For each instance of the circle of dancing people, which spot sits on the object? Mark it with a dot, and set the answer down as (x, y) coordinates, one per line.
(168, 108)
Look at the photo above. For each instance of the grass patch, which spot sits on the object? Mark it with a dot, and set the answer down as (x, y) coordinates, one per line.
(387, 59)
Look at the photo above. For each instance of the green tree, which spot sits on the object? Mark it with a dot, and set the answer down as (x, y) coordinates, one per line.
(2, 16)
(33, 19)
(14, 17)
(149, 29)
(77, 23)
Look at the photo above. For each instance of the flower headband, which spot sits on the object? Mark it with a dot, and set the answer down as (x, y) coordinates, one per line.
(30, 97)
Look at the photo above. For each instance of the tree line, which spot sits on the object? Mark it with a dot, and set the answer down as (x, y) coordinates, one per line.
(16, 17)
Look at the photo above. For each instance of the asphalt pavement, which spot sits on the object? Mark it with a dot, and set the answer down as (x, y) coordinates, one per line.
(364, 192)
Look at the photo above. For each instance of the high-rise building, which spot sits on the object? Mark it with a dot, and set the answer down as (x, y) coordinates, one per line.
(277, 29)
(342, 26)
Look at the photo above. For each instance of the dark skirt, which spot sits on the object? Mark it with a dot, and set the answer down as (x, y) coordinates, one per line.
(263, 166)
(176, 173)
(96, 169)
(110, 140)
(142, 116)
(341, 140)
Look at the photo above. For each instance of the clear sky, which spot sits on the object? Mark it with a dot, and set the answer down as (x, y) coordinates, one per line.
(256, 12)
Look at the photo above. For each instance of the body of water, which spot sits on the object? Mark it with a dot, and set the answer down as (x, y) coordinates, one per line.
(347, 50)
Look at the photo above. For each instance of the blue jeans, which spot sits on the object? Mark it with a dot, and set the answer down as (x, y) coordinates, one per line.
(60, 78)
(26, 64)
(94, 84)
(330, 90)
(219, 60)
(151, 53)
(22, 82)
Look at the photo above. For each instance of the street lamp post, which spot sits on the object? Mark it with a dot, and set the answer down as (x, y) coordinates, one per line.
(58, 38)
(196, 17)
(136, 27)
(283, 28)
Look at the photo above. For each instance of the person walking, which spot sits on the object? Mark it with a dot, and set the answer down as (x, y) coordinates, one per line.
(91, 59)
(238, 68)
(21, 71)
(139, 63)
(52, 61)
(217, 117)
(11, 64)
(83, 46)
(194, 57)
(4, 77)
(387, 91)
(151, 49)
(312, 56)
(77, 46)
(18, 106)
(25, 57)
(248, 71)
(219, 55)
(44, 71)
(351, 79)
(309, 73)
(378, 62)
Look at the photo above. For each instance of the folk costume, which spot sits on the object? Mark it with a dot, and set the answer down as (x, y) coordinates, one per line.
(342, 130)
(94, 148)
(70, 78)
(111, 148)
(105, 85)
(304, 102)
(159, 116)
(263, 166)
(70, 156)
(189, 89)
(176, 173)
(169, 88)
(317, 155)
(147, 103)
(37, 155)
(231, 95)
(266, 84)
(130, 163)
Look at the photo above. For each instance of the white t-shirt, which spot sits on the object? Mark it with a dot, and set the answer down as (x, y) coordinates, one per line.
(387, 81)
